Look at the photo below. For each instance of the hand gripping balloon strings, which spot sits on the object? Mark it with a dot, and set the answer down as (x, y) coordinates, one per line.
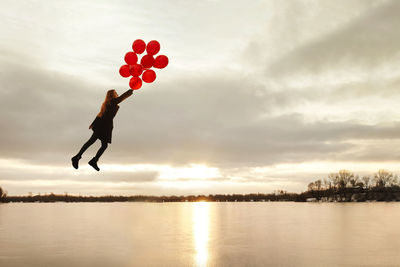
(142, 71)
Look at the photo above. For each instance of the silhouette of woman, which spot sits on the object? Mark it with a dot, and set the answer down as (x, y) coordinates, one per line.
(102, 126)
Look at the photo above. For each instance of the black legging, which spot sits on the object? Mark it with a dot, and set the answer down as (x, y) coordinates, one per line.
(90, 142)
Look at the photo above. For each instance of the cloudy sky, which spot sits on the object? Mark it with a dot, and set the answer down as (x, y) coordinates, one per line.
(258, 95)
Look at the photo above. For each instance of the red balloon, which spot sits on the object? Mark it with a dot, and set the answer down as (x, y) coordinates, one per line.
(147, 61)
(149, 76)
(139, 46)
(135, 70)
(135, 83)
(131, 58)
(161, 62)
(153, 47)
(124, 71)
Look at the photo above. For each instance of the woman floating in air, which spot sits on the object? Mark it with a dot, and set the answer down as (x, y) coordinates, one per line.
(102, 126)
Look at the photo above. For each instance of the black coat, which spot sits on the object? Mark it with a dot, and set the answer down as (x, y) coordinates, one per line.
(103, 126)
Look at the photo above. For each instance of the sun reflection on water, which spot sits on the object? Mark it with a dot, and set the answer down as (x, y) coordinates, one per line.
(201, 216)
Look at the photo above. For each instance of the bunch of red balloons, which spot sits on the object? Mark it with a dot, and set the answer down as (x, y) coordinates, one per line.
(136, 68)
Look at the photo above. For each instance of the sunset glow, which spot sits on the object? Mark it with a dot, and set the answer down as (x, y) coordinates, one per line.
(201, 218)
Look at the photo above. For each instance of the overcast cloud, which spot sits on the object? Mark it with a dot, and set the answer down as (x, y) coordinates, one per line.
(258, 96)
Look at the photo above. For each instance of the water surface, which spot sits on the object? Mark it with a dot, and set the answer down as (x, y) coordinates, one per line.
(200, 234)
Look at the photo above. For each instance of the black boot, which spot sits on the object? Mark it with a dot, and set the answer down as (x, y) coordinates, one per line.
(75, 161)
(93, 163)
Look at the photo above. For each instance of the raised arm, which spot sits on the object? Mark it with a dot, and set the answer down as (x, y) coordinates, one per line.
(124, 96)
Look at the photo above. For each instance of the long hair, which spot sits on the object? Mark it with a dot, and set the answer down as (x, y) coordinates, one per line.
(111, 94)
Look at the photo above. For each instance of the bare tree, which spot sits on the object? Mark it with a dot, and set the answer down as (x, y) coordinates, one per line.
(334, 178)
(367, 181)
(354, 181)
(344, 178)
(318, 184)
(383, 178)
(311, 186)
(318, 187)
(395, 180)
(3, 193)
(327, 183)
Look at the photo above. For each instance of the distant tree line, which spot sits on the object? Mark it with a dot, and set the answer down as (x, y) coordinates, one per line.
(337, 187)
(346, 186)
(278, 195)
